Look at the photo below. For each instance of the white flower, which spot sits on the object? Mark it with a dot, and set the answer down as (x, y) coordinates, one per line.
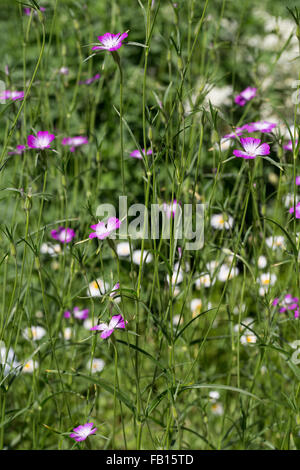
(50, 249)
(217, 409)
(212, 266)
(266, 280)
(136, 256)
(97, 288)
(262, 262)
(219, 222)
(204, 280)
(30, 366)
(248, 339)
(96, 365)
(214, 395)
(34, 333)
(219, 96)
(225, 272)
(177, 277)
(196, 305)
(275, 242)
(8, 360)
(177, 320)
(288, 200)
(67, 333)
(239, 308)
(123, 249)
(88, 324)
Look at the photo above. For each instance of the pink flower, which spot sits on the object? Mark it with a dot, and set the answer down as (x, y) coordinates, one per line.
(238, 131)
(110, 42)
(116, 321)
(297, 180)
(64, 71)
(27, 11)
(88, 81)
(63, 235)
(12, 95)
(75, 141)
(42, 141)
(288, 303)
(170, 209)
(83, 431)
(19, 150)
(292, 210)
(139, 155)
(260, 126)
(252, 148)
(103, 230)
(289, 146)
(246, 95)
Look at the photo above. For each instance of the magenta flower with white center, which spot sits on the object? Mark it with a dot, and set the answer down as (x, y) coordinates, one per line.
(246, 95)
(103, 230)
(117, 321)
(88, 81)
(170, 209)
(252, 148)
(297, 212)
(289, 145)
(139, 155)
(76, 141)
(80, 314)
(19, 150)
(233, 135)
(289, 303)
(83, 431)
(41, 141)
(63, 235)
(27, 11)
(110, 42)
(12, 95)
(260, 126)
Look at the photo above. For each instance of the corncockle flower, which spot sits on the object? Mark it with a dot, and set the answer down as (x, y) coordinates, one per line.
(110, 42)
(136, 256)
(116, 321)
(76, 141)
(297, 211)
(288, 199)
(97, 288)
(42, 141)
(34, 333)
(139, 155)
(246, 95)
(276, 241)
(88, 81)
(233, 135)
(96, 365)
(83, 431)
(49, 249)
(64, 71)
(123, 249)
(115, 294)
(219, 221)
(289, 145)
(260, 126)
(12, 95)
(252, 148)
(30, 366)
(103, 230)
(19, 150)
(170, 209)
(27, 11)
(297, 181)
(77, 313)
(63, 235)
(288, 303)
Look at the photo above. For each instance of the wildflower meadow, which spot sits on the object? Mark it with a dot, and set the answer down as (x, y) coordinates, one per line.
(150, 233)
